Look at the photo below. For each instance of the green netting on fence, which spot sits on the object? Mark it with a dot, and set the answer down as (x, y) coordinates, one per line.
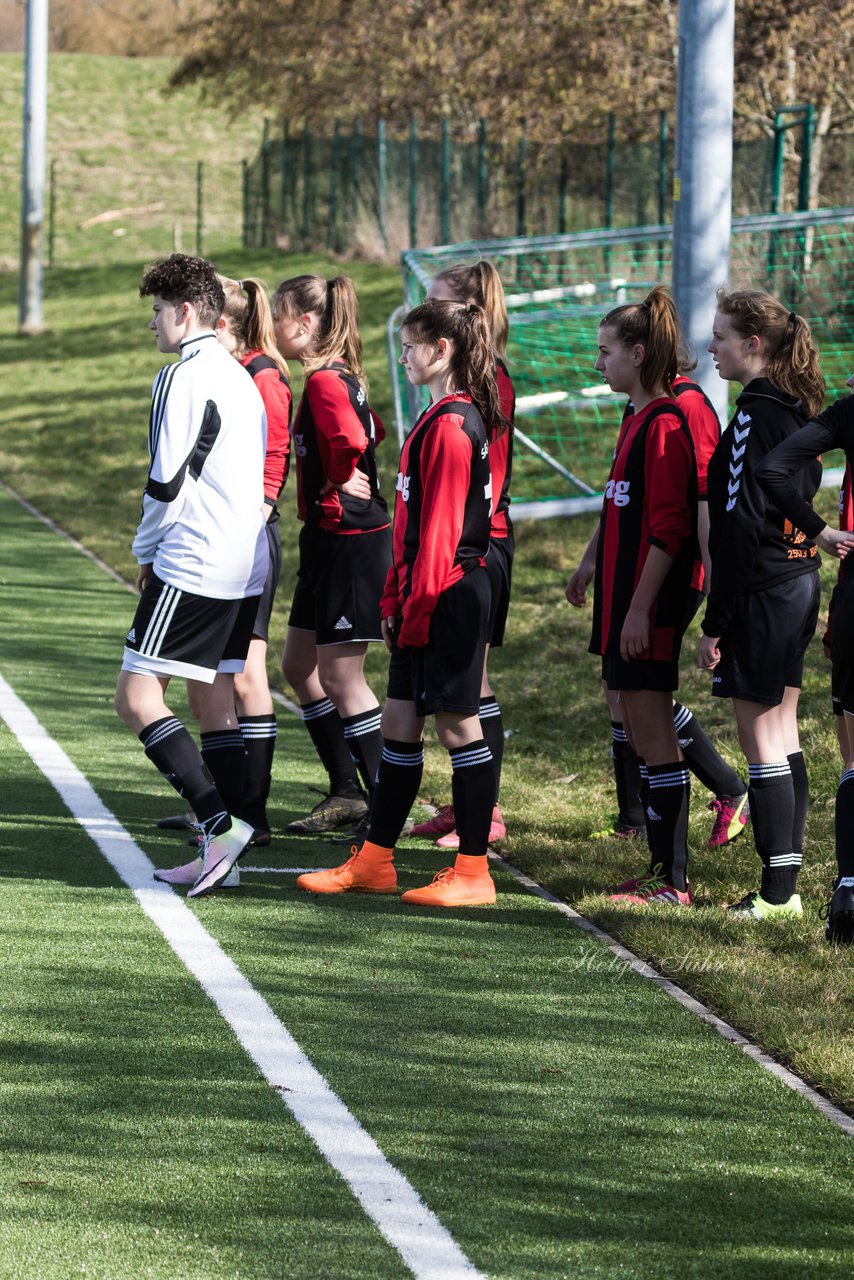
(559, 287)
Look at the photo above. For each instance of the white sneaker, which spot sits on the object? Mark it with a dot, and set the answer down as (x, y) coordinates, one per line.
(221, 853)
(190, 872)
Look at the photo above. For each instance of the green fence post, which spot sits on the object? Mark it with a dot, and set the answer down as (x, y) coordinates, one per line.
(306, 186)
(200, 210)
(51, 214)
(357, 171)
(333, 187)
(382, 179)
(806, 157)
(482, 187)
(413, 183)
(776, 188)
(245, 169)
(562, 192)
(662, 167)
(609, 169)
(445, 184)
(283, 179)
(265, 184)
(521, 177)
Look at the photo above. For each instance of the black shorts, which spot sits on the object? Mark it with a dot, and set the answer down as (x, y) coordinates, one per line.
(499, 568)
(762, 653)
(261, 627)
(339, 584)
(175, 633)
(639, 673)
(842, 647)
(446, 674)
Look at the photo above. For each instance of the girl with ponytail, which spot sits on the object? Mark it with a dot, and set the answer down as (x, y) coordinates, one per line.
(763, 604)
(435, 609)
(641, 559)
(345, 543)
(243, 768)
(480, 284)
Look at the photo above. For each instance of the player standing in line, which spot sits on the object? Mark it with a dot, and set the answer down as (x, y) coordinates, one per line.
(646, 547)
(435, 610)
(201, 547)
(481, 284)
(345, 543)
(779, 475)
(701, 755)
(243, 763)
(763, 605)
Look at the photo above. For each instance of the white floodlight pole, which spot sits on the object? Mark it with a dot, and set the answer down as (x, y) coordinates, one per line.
(33, 171)
(702, 197)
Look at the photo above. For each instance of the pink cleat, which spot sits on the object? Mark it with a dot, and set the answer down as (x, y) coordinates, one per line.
(190, 872)
(497, 831)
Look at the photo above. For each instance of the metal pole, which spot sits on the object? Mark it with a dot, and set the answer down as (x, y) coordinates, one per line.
(357, 171)
(245, 184)
(482, 183)
(445, 183)
(702, 195)
(200, 207)
(382, 176)
(609, 168)
(521, 177)
(51, 216)
(283, 179)
(333, 188)
(413, 183)
(32, 173)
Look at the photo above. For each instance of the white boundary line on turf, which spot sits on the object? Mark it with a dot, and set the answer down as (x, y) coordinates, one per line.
(395, 1207)
(792, 1081)
(831, 1112)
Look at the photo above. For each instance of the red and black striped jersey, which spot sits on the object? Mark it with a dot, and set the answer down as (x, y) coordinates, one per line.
(501, 454)
(650, 501)
(278, 402)
(334, 434)
(441, 515)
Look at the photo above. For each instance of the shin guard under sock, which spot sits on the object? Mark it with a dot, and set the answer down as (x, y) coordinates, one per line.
(492, 726)
(396, 790)
(627, 777)
(702, 757)
(845, 825)
(365, 742)
(173, 752)
(225, 755)
(472, 792)
(259, 742)
(800, 783)
(327, 734)
(667, 813)
(772, 811)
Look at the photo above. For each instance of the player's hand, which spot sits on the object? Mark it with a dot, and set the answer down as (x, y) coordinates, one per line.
(358, 486)
(389, 631)
(836, 542)
(576, 588)
(634, 638)
(710, 654)
(145, 571)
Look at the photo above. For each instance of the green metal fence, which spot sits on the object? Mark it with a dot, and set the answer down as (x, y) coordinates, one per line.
(376, 192)
(558, 288)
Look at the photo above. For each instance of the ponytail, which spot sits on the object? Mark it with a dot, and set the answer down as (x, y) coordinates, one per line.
(654, 325)
(472, 360)
(480, 283)
(792, 358)
(248, 311)
(336, 307)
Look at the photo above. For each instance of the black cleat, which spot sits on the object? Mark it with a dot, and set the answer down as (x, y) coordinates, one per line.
(839, 914)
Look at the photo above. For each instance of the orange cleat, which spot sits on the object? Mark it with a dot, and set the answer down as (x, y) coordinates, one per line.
(456, 886)
(363, 872)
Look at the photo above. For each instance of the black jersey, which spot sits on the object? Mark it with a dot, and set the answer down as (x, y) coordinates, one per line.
(751, 542)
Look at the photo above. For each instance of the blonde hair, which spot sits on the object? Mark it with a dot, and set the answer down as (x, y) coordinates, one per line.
(248, 312)
(472, 359)
(792, 362)
(480, 283)
(335, 304)
(654, 324)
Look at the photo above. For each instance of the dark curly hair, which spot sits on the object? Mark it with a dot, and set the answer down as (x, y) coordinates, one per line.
(184, 279)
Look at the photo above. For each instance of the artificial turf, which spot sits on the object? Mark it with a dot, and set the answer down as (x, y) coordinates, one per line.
(561, 1117)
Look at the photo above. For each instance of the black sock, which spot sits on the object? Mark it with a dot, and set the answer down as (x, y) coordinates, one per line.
(627, 778)
(259, 741)
(472, 783)
(396, 790)
(225, 756)
(845, 825)
(643, 792)
(365, 742)
(667, 812)
(492, 726)
(798, 766)
(772, 811)
(170, 749)
(327, 734)
(702, 757)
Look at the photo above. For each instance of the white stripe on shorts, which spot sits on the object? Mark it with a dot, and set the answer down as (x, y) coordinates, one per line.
(156, 630)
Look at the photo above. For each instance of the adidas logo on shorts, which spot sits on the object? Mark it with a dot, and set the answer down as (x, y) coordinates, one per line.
(343, 625)
(131, 636)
